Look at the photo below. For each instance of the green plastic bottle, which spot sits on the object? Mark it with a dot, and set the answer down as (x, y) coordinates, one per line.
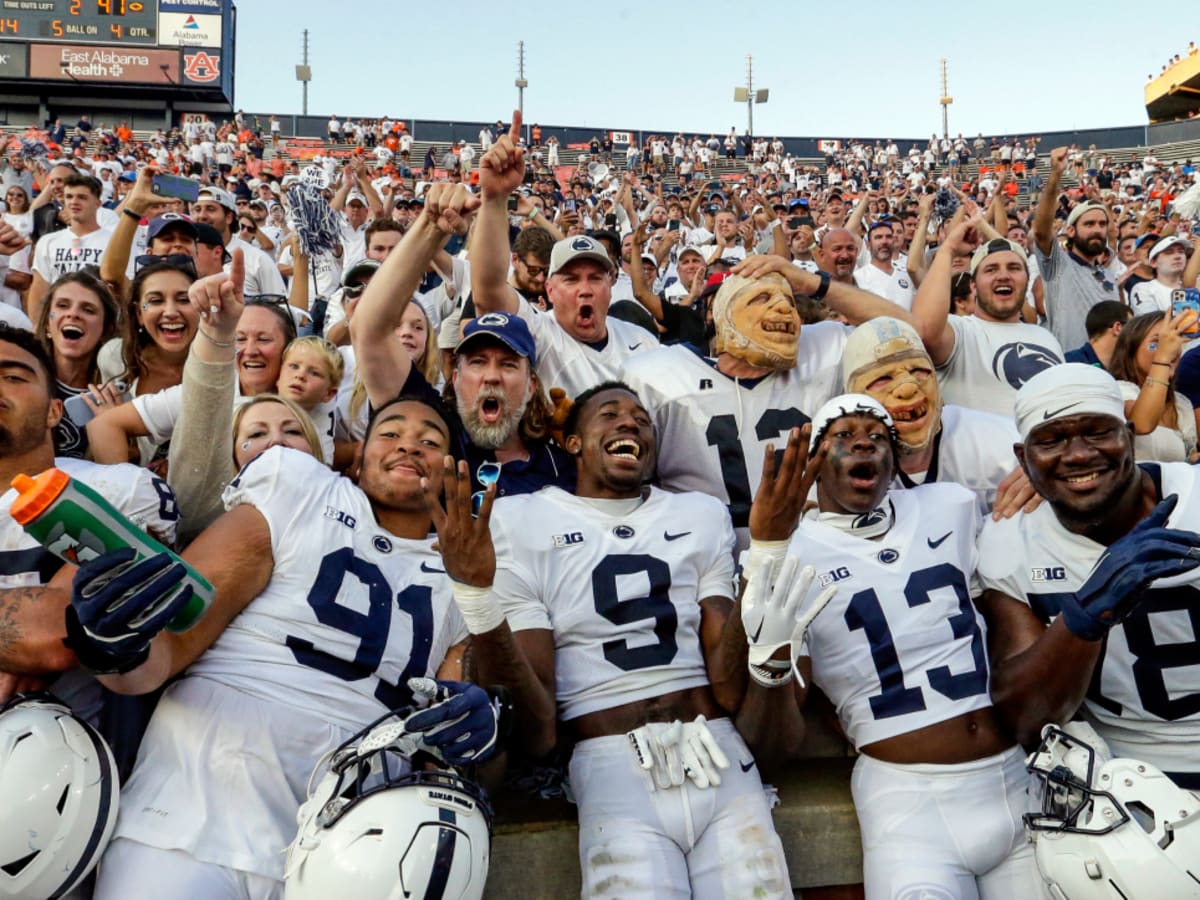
(77, 525)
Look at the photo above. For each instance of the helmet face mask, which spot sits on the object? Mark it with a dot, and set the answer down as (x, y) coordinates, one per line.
(375, 824)
(1108, 827)
(59, 790)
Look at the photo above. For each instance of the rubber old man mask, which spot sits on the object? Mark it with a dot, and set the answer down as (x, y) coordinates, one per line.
(756, 321)
(885, 359)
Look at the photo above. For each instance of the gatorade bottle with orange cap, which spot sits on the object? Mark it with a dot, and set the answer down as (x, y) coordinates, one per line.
(77, 525)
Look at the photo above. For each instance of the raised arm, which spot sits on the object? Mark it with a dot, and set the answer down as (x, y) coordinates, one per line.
(383, 363)
(114, 262)
(931, 305)
(642, 291)
(200, 462)
(1043, 220)
(523, 662)
(501, 170)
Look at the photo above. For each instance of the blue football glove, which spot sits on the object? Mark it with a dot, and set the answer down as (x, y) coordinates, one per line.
(1121, 576)
(461, 723)
(118, 606)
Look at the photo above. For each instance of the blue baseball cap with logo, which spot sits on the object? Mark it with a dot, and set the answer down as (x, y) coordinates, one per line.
(508, 330)
(175, 221)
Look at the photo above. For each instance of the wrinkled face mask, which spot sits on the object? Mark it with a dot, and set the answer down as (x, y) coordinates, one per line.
(756, 321)
(907, 386)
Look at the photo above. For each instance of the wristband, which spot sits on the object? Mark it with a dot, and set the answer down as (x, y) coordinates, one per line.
(768, 554)
(479, 607)
(1150, 380)
(771, 674)
(823, 288)
(92, 657)
(135, 216)
(532, 214)
(1156, 363)
(214, 341)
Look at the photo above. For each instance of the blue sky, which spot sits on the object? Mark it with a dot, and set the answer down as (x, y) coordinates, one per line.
(833, 69)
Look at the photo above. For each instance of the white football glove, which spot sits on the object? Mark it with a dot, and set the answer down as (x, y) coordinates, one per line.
(702, 758)
(769, 611)
(675, 751)
(656, 746)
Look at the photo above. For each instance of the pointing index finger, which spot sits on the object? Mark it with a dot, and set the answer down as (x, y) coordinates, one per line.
(514, 132)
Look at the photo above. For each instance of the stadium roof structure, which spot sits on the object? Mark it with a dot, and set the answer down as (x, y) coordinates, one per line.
(1175, 93)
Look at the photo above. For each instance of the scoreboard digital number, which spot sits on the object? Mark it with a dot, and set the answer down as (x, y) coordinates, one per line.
(132, 22)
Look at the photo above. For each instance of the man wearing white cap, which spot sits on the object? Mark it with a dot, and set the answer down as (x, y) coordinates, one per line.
(982, 359)
(885, 359)
(358, 202)
(218, 208)
(939, 786)
(1092, 599)
(1168, 258)
(1075, 279)
(578, 344)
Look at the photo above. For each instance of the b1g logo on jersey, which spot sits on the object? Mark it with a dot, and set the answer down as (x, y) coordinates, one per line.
(338, 516)
(569, 539)
(1049, 573)
(828, 578)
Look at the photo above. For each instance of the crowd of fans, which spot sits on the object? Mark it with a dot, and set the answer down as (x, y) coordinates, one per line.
(616, 375)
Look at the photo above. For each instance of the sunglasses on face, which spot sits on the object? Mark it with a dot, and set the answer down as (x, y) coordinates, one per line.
(179, 261)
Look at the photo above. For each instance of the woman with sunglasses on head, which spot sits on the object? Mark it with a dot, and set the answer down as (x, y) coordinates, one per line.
(79, 314)
(1143, 362)
(17, 214)
(159, 327)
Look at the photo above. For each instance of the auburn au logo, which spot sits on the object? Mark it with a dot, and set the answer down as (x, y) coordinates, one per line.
(201, 66)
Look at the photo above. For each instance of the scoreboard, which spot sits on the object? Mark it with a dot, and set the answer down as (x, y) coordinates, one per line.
(125, 45)
(123, 22)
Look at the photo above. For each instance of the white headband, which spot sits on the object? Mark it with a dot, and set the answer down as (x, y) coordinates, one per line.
(1069, 389)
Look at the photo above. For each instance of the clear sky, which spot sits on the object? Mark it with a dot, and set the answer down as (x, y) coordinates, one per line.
(833, 69)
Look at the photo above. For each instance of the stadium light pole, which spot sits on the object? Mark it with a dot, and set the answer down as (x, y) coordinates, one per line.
(304, 73)
(946, 100)
(521, 83)
(749, 96)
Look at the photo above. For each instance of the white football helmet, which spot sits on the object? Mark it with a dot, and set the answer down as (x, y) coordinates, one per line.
(58, 792)
(1111, 828)
(376, 830)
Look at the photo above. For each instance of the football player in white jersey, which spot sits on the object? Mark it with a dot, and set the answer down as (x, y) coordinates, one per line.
(984, 358)
(578, 343)
(619, 600)
(33, 582)
(329, 598)
(886, 359)
(938, 786)
(715, 416)
(1093, 600)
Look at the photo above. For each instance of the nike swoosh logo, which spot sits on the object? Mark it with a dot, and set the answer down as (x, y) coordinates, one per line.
(1051, 413)
(635, 346)
(425, 567)
(933, 545)
(746, 767)
(754, 637)
(674, 537)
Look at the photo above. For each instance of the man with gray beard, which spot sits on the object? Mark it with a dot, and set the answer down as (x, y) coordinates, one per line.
(493, 386)
(503, 409)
